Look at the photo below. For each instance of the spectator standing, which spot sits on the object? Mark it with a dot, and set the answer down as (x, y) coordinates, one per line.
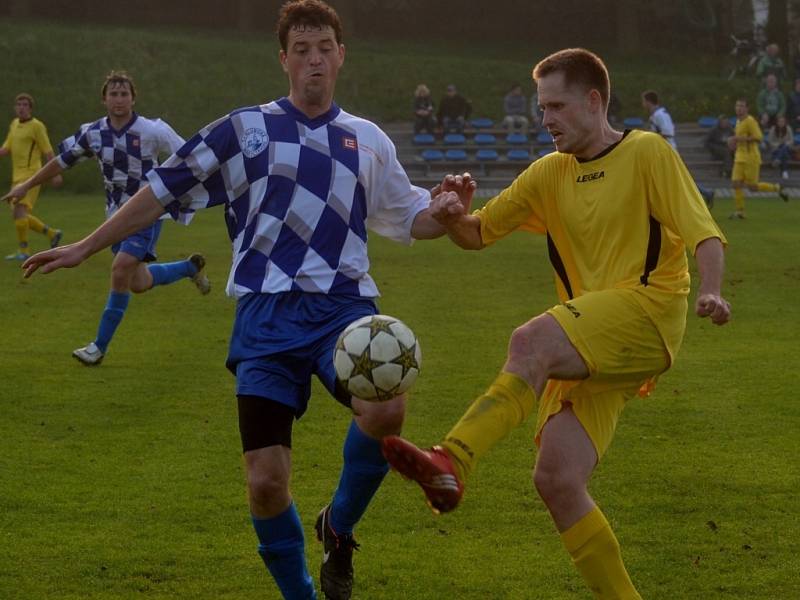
(770, 102)
(716, 143)
(423, 110)
(515, 107)
(771, 64)
(454, 110)
(780, 144)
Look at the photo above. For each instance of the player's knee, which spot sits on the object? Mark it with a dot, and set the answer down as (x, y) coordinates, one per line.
(555, 484)
(524, 345)
(379, 419)
(267, 487)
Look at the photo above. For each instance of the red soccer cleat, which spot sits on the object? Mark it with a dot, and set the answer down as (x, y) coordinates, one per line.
(431, 469)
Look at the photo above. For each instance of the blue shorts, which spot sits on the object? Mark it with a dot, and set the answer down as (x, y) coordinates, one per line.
(280, 340)
(141, 244)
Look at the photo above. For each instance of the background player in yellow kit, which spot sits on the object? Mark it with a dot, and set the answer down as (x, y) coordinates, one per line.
(619, 210)
(747, 160)
(27, 142)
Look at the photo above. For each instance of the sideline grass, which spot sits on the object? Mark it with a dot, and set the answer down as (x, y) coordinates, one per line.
(125, 481)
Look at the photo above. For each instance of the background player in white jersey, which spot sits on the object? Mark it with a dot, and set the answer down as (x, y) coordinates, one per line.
(662, 124)
(127, 147)
(301, 181)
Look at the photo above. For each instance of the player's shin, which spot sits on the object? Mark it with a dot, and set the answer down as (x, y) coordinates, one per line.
(362, 473)
(596, 554)
(507, 403)
(282, 547)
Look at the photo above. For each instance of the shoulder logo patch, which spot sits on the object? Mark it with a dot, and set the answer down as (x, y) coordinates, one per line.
(253, 142)
(350, 143)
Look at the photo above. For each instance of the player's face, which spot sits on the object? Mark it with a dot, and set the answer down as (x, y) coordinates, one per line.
(741, 110)
(119, 100)
(312, 61)
(568, 114)
(23, 110)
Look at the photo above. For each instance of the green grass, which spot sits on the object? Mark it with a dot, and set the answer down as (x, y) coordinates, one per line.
(125, 481)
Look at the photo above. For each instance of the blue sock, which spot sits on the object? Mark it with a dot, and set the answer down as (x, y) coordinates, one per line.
(166, 273)
(112, 315)
(282, 546)
(363, 471)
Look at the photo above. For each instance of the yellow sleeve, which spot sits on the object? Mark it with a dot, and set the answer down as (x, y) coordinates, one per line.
(517, 206)
(674, 199)
(755, 130)
(7, 143)
(40, 134)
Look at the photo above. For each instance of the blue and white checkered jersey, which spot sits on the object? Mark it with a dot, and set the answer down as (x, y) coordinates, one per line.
(125, 156)
(299, 195)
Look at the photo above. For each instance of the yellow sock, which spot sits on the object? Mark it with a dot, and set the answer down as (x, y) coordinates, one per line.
(768, 187)
(738, 197)
(22, 234)
(505, 405)
(39, 227)
(595, 553)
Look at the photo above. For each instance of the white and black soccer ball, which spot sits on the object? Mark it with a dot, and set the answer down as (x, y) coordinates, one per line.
(377, 358)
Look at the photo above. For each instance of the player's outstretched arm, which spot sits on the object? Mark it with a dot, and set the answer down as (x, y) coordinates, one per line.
(50, 170)
(711, 264)
(140, 211)
(432, 222)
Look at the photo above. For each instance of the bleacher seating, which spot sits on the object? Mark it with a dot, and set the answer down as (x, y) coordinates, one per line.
(518, 154)
(484, 139)
(633, 122)
(432, 154)
(454, 139)
(544, 138)
(516, 138)
(486, 154)
(455, 154)
(422, 139)
(707, 122)
(482, 123)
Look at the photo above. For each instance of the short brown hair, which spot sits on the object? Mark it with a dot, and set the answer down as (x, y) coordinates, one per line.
(24, 96)
(313, 13)
(579, 66)
(650, 96)
(118, 77)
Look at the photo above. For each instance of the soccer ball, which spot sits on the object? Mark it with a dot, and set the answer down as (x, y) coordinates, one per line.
(377, 358)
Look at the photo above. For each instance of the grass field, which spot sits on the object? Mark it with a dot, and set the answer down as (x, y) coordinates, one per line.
(125, 481)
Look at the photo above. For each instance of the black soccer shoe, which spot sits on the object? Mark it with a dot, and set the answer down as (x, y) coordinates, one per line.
(336, 572)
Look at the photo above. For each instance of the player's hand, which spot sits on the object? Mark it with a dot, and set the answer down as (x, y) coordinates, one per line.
(446, 207)
(16, 194)
(713, 306)
(463, 185)
(66, 257)
(57, 181)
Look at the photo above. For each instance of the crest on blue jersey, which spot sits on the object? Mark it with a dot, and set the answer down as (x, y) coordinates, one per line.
(96, 144)
(253, 142)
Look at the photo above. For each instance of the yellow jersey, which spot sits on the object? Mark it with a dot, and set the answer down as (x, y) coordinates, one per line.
(27, 141)
(748, 151)
(620, 220)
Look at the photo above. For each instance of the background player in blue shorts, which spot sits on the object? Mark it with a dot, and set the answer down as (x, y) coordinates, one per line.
(127, 146)
(301, 181)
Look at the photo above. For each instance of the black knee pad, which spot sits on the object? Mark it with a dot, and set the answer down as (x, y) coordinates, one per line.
(264, 422)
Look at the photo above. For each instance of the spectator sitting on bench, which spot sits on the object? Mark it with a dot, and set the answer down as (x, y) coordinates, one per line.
(515, 106)
(454, 110)
(770, 102)
(423, 110)
(716, 143)
(780, 144)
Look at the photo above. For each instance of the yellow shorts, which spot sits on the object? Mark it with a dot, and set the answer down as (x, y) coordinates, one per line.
(30, 198)
(749, 172)
(624, 353)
